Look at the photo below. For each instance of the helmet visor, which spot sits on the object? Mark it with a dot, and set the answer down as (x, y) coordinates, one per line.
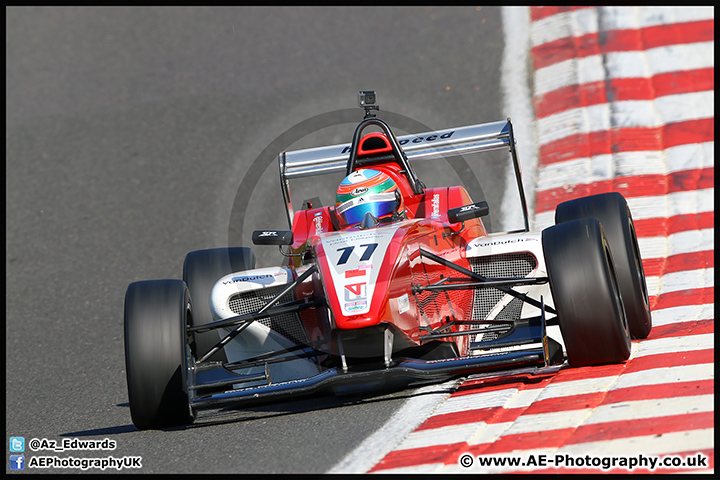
(380, 205)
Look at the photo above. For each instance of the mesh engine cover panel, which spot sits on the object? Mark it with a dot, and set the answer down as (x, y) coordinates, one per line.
(512, 265)
(287, 325)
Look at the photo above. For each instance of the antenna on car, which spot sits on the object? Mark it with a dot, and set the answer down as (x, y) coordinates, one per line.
(368, 101)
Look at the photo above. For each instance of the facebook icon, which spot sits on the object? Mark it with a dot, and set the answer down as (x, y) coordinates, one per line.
(17, 462)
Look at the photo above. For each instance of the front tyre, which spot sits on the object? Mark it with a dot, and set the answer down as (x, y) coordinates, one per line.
(614, 215)
(586, 293)
(156, 316)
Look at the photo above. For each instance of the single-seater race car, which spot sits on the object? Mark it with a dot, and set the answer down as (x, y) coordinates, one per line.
(394, 285)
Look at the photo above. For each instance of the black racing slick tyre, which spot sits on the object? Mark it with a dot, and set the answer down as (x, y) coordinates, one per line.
(156, 318)
(201, 270)
(586, 293)
(614, 215)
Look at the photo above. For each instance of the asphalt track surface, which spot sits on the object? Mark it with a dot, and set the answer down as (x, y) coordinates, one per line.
(129, 131)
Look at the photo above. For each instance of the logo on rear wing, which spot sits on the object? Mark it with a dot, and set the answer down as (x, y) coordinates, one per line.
(418, 139)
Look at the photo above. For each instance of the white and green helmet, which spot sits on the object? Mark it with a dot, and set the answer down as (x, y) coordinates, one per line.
(364, 191)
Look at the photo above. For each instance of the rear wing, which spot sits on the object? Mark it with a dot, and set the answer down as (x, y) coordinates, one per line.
(423, 146)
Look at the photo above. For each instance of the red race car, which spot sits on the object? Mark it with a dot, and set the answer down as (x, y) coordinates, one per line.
(393, 285)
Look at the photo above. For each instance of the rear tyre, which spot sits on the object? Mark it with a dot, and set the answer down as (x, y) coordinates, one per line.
(201, 270)
(614, 215)
(586, 293)
(156, 316)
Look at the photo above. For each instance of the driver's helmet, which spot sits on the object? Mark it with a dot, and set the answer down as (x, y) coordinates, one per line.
(368, 190)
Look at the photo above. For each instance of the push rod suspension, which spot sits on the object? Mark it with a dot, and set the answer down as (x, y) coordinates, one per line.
(480, 278)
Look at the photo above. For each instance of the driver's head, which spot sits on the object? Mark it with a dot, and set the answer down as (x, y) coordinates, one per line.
(368, 191)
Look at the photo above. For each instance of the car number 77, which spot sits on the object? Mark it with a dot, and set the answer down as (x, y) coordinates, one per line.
(347, 251)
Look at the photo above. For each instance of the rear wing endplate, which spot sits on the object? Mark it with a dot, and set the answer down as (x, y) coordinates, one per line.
(423, 146)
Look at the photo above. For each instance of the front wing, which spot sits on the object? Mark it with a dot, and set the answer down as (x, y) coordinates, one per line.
(526, 346)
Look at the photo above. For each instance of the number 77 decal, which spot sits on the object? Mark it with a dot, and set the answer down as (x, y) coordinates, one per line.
(347, 251)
